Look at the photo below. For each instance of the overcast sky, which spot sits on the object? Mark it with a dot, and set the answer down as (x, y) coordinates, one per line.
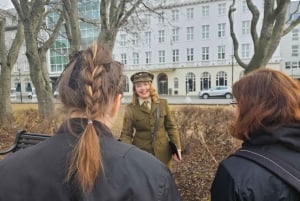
(5, 4)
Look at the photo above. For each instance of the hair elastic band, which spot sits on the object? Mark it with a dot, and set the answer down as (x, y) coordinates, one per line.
(90, 121)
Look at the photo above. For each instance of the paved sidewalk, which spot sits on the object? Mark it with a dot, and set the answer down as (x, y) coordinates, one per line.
(187, 100)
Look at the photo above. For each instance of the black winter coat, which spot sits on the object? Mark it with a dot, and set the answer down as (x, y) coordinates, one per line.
(38, 172)
(238, 179)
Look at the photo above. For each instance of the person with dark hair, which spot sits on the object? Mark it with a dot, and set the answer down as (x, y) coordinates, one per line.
(83, 161)
(267, 120)
(148, 123)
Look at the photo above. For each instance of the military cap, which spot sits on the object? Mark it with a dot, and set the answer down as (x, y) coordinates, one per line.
(142, 77)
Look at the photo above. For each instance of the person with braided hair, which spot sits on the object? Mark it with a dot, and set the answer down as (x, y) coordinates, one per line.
(83, 161)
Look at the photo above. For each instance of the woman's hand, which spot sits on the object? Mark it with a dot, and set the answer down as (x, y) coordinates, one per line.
(176, 158)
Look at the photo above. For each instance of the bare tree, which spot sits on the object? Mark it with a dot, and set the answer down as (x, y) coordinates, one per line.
(274, 26)
(113, 15)
(8, 59)
(70, 11)
(33, 13)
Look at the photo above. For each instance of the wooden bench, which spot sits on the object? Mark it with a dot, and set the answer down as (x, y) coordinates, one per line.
(25, 139)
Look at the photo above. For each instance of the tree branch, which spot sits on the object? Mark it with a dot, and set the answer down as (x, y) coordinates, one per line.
(255, 16)
(235, 42)
(55, 33)
(129, 12)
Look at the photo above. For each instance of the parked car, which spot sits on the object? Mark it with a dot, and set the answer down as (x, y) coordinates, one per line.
(219, 91)
(13, 93)
(56, 94)
(31, 94)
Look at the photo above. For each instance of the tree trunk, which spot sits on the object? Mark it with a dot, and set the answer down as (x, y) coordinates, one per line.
(40, 79)
(107, 38)
(72, 25)
(113, 15)
(8, 59)
(32, 14)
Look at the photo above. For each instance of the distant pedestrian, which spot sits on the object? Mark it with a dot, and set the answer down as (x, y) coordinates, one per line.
(139, 127)
(267, 110)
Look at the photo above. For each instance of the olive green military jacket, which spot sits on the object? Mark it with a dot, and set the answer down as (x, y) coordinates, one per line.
(139, 124)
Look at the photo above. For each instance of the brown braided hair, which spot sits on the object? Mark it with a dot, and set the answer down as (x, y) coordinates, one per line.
(90, 84)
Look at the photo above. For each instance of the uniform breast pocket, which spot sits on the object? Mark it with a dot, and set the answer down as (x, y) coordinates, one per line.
(140, 121)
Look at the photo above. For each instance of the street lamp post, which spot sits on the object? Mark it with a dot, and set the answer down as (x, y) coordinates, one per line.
(232, 57)
(20, 84)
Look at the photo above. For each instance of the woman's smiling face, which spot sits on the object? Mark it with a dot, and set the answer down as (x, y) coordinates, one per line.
(143, 89)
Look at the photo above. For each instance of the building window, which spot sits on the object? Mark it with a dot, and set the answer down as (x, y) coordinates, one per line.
(123, 40)
(190, 33)
(221, 30)
(295, 34)
(148, 57)
(161, 36)
(221, 52)
(190, 82)
(205, 11)
(190, 54)
(161, 56)
(190, 13)
(245, 50)
(126, 84)
(205, 31)
(176, 83)
(222, 9)
(205, 81)
(295, 64)
(205, 53)
(175, 34)
(161, 18)
(221, 79)
(244, 6)
(148, 19)
(288, 65)
(148, 37)
(175, 54)
(123, 58)
(246, 27)
(58, 58)
(27, 85)
(136, 58)
(295, 16)
(135, 38)
(175, 15)
(295, 50)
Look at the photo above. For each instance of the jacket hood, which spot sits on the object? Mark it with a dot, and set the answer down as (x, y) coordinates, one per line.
(288, 136)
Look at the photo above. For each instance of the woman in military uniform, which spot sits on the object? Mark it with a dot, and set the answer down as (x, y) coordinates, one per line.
(140, 121)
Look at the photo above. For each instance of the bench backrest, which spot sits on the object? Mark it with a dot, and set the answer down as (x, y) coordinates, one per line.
(25, 139)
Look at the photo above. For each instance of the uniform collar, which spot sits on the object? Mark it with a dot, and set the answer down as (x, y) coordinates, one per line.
(141, 101)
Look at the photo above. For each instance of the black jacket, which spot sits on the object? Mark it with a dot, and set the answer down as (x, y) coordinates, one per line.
(38, 172)
(239, 179)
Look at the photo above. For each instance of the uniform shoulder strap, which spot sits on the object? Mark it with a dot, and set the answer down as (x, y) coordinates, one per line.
(278, 167)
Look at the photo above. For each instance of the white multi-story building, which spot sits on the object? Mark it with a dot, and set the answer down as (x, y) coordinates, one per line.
(290, 48)
(186, 44)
